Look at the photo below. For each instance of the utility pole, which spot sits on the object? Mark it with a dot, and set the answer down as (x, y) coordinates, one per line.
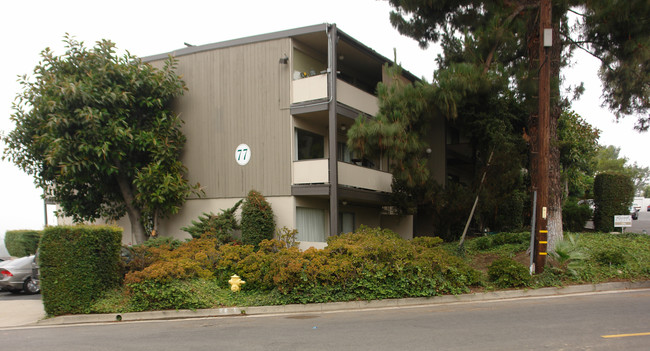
(543, 141)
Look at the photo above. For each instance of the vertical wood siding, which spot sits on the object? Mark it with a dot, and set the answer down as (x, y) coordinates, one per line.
(238, 95)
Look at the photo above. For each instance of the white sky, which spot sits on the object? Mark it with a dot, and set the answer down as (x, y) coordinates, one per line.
(152, 27)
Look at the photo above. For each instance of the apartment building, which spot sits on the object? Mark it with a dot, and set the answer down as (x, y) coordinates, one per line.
(271, 113)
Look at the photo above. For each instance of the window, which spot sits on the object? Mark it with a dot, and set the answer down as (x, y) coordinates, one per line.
(344, 154)
(346, 222)
(309, 145)
(310, 223)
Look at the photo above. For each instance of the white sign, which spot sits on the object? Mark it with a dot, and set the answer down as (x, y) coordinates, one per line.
(242, 154)
(623, 221)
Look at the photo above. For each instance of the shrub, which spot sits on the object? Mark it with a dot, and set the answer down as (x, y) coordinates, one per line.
(257, 220)
(78, 263)
(613, 195)
(176, 294)
(510, 212)
(609, 256)
(568, 256)
(287, 236)
(20, 243)
(371, 263)
(219, 226)
(506, 273)
(194, 259)
(574, 216)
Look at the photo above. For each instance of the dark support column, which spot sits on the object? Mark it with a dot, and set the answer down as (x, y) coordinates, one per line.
(333, 168)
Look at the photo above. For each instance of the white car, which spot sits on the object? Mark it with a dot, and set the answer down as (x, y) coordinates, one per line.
(16, 276)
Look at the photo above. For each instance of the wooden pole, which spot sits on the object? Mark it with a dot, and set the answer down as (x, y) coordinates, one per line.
(544, 102)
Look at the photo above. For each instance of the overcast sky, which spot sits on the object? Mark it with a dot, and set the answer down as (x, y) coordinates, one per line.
(152, 27)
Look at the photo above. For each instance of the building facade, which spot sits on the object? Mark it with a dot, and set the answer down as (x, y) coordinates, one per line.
(271, 113)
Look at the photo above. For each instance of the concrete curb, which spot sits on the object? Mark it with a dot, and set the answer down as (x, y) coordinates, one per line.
(340, 306)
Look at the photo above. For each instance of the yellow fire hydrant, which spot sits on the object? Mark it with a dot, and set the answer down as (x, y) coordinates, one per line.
(235, 283)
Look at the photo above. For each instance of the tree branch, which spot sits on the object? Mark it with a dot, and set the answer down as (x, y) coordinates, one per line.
(508, 20)
(577, 44)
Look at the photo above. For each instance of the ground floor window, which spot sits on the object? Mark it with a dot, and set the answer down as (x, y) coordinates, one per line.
(346, 222)
(310, 223)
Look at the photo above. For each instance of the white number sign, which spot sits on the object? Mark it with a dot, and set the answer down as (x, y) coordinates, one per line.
(242, 154)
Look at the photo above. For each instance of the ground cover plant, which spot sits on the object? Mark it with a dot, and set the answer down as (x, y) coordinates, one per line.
(368, 264)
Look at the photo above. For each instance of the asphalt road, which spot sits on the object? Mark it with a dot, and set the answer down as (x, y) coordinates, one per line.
(594, 321)
(641, 225)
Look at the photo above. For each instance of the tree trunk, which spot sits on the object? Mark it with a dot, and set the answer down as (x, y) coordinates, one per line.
(137, 229)
(554, 226)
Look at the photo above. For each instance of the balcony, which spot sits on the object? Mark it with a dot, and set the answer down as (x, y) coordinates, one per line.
(315, 88)
(316, 172)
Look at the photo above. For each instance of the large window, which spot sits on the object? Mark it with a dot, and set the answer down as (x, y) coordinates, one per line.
(309, 145)
(310, 223)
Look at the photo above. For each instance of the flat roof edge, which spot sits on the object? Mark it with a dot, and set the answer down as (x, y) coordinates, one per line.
(241, 41)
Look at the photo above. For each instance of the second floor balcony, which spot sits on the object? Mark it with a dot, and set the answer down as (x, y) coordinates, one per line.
(315, 88)
(315, 171)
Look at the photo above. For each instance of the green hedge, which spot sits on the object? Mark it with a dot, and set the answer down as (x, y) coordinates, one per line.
(78, 263)
(613, 195)
(20, 243)
(257, 220)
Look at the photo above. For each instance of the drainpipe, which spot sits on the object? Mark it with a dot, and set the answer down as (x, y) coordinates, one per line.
(332, 39)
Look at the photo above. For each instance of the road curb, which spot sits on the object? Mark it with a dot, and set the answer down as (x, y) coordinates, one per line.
(340, 306)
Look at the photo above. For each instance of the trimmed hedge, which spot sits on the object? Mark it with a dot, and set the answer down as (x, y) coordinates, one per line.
(257, 220)
(613, 195)
(78, 264)
(20, 243)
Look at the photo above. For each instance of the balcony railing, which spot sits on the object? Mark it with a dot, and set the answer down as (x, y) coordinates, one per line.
(315, 88)
(316, 172)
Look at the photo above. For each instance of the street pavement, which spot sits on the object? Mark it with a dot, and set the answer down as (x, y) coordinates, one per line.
(27, 310)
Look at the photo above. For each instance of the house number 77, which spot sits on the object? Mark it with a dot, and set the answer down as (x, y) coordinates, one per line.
(242, 154)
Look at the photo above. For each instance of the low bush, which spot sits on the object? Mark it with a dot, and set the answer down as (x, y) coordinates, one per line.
(194, 259)
(516, 241)
(508, 273)
(219, 226)
(368, 264)
(20, 243)
(610, 256)
(77, 265)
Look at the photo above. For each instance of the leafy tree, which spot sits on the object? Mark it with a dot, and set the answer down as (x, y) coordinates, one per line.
(501, 38)
(97, 132)
(608, 159)
(578, 143)
(646, 191)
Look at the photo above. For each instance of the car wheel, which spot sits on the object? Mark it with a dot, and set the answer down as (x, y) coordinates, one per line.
(30, 286)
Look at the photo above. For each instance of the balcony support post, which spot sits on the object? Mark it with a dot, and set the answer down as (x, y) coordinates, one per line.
(332, 37)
